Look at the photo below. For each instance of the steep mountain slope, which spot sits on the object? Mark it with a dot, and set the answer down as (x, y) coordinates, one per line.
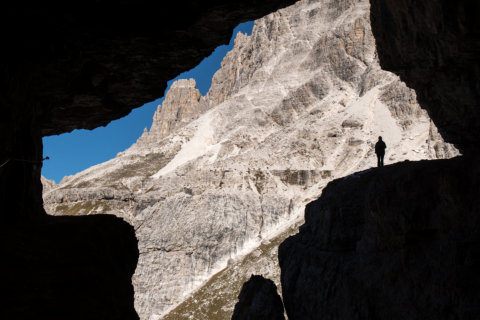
(296, 104)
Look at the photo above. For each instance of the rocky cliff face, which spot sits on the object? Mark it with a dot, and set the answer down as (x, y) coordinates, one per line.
(180, 106)
(296, 104)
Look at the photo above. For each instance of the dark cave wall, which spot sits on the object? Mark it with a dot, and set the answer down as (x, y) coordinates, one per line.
(399, 242)
(79, 65)
(68, 268)
(21, 154)
(434, 46)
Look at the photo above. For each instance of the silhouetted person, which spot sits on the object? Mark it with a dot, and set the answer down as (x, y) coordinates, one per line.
(380, 147)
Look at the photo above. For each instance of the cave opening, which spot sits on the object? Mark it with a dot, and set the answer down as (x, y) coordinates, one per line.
(295, 106)
(425, 248)
(70, 153)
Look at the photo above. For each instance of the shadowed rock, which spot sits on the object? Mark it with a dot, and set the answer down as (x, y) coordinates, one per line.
(401, 242)
(434, 47)
(68, 268)
(258, 300)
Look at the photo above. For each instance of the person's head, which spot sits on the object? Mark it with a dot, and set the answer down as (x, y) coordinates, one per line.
(380, 138)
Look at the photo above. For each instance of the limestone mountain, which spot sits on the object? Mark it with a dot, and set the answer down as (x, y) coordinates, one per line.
(218, 180)
(180, 106)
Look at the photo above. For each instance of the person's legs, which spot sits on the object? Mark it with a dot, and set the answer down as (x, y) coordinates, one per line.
(381, 159)
(378, 160)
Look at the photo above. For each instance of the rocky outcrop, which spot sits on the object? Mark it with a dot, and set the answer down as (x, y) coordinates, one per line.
(47, 184)
(296, 104)
(180, 106)
(395, 242)
(258, 300)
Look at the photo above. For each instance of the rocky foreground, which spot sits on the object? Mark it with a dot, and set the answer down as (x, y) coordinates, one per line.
(400, 242)
(222, 177)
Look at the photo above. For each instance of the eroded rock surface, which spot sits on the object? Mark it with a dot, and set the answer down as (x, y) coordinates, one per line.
(216, 299)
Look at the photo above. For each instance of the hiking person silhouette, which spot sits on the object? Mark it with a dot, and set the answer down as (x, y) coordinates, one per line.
(380, 147)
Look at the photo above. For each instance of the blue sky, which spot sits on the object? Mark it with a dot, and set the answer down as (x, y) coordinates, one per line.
(78, 150)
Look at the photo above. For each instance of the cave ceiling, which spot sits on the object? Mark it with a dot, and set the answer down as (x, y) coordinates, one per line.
(80, 64)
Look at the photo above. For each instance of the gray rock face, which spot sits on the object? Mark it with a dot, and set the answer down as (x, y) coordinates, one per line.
(217, 298)
(296, 104)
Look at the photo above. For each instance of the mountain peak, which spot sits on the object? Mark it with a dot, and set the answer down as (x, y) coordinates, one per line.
(183, 83)
(180, 106)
